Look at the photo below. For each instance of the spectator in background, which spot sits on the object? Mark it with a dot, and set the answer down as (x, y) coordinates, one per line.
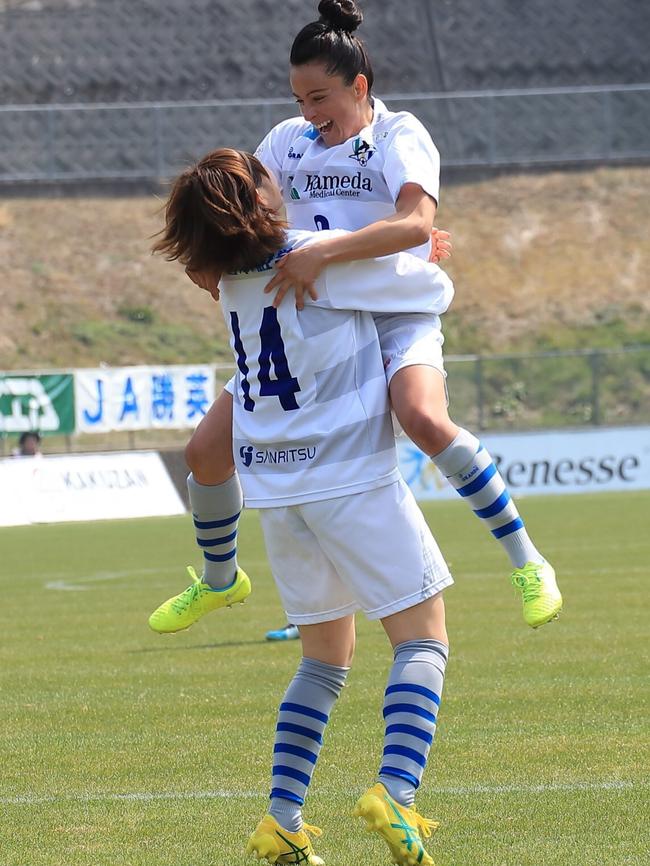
(29, 445)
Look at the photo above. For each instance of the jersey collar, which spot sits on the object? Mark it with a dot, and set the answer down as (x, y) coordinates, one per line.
(379, 112)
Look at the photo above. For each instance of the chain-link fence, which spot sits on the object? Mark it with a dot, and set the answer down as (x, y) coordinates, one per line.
(152, 141)
(575, 388)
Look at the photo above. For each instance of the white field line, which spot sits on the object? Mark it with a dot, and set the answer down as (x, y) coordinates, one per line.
(78, 584)
(147, 797)
(63, 583)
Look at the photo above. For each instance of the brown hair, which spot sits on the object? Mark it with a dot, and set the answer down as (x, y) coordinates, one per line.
(214, 219)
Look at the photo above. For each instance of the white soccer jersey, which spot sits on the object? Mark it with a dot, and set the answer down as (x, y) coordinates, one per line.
(311, 412)
(356, 183)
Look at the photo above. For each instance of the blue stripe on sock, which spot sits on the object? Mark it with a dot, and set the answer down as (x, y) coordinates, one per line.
(212, 542)
(409, 708)
(290, 773)
(404, 752)
(287, 795)
(290, 749)
(215, 524)
(400, 774)
(411, 731)
(220, 557)
(418, 690)
(498, 505)
(479, 482)
(300, 730)
(509, 528)
(304, 711)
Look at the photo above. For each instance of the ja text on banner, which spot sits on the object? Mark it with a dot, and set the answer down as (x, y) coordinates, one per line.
(143, 398)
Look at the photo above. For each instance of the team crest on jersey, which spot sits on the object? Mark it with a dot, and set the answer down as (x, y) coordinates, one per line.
(362, 151)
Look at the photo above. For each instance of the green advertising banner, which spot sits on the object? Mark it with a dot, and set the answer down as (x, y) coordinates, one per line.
(32, 402)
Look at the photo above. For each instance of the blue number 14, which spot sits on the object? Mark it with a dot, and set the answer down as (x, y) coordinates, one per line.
(284, 386)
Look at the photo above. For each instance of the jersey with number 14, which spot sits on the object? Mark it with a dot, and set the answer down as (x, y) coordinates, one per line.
(352, 184)
(311, 418)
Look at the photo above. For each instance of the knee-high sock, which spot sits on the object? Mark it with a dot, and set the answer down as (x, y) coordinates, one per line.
(411, 707)
(216, 509)
(471, 470)
(304, 713)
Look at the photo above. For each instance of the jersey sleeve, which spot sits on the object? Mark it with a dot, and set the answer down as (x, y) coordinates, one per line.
(411, 157)
(401, 283)
(274, 146)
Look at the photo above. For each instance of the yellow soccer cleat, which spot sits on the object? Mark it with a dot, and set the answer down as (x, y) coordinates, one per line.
(184, 610)
(542, 599)
(398, 826)
(272, 842)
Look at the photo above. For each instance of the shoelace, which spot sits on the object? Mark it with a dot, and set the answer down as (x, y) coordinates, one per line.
(191, 594)
(425, 826)
(527, 579)
(315, 831)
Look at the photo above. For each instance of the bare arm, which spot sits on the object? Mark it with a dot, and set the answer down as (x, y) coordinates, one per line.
(410, 226)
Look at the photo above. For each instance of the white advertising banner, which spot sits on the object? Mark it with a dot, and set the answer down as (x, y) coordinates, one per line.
(142, 398)
(575, 461)
(56, 488)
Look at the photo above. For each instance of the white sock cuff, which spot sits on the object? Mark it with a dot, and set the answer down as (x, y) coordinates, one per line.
(457, 454)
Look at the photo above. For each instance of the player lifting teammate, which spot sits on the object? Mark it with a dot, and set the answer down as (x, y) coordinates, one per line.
(350, 163)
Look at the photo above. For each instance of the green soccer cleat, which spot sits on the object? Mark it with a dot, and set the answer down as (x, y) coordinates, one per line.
(182, 611)
(398, 826)
(542, 599)
(272, 842)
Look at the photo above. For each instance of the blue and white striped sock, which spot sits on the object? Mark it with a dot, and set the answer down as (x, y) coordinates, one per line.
(216, 509)
(411, 705)
(304, 713)
(471, 470)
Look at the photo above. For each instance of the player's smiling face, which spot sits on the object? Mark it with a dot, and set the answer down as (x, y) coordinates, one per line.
(337, 110)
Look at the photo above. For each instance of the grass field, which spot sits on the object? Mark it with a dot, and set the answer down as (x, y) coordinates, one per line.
(124, 748)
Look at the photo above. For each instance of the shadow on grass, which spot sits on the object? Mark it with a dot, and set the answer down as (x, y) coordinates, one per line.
(201, 646)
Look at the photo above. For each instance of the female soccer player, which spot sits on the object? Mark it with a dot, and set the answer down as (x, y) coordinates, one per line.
(312, 419)
(350, 163)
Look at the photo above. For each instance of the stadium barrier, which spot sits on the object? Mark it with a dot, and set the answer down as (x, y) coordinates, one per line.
(62, 488)
(78, 487)
(549, 462)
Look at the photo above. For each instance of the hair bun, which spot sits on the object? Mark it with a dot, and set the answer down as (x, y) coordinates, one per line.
(340, 14)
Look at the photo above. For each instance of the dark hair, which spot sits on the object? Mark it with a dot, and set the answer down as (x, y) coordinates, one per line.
(29, 434)
(214, 218)
(330, 40)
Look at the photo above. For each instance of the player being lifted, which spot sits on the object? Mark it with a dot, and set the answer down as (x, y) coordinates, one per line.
(350, 163)
(313, 429)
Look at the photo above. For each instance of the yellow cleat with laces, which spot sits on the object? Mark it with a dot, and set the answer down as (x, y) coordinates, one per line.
(183, 610)
(272, 842)
(400, 827)
(542, 600)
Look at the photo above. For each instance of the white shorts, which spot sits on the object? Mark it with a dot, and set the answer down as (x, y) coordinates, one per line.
(369, 551)
(408, 339)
